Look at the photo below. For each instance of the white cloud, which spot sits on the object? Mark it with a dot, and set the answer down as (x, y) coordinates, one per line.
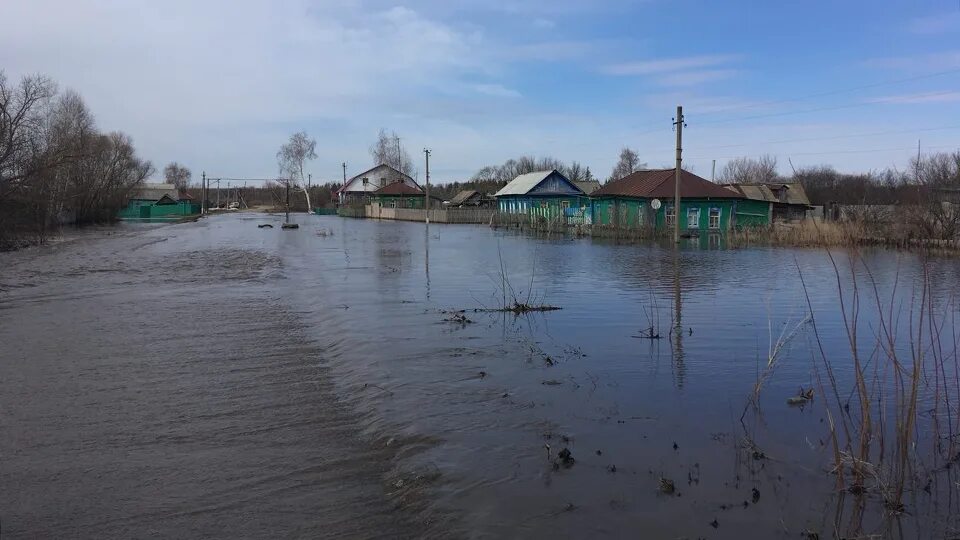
(496, 90)
(945, 96)
(692, 78)
(943, 60)
(935, 24)
(543, 23)
(666, 65)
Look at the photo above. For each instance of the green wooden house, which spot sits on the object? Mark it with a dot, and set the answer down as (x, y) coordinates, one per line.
(159, 202)
(403, 195)
(645, 200)
(546, 195)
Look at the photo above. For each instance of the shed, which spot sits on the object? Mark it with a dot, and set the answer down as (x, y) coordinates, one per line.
(781, 201)
(149, 201)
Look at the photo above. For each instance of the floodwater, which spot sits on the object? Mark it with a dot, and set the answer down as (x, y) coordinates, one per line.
(216, 379)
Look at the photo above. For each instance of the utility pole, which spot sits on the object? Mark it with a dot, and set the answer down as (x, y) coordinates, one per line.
(344, 172)
(309, 180)
(203, 194)
(287, 213)
(426, 199)
(678, 122)
(399, 157)
(218, 193)
(713, 172)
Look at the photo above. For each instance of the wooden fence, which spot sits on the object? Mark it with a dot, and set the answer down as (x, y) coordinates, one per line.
(442, 215)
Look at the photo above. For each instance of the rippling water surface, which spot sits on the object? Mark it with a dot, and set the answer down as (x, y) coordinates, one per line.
(214, 379)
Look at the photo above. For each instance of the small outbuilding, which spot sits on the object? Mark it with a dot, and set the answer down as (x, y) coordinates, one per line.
(151, 201)
(779, 201)
(469, 198)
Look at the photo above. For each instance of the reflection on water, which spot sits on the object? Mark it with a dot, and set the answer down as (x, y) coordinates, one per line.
(216, 379)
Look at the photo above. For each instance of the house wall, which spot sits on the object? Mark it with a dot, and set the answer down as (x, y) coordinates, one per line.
(141, 209)
(630, 212)
(549, 207)
(396, 201)
(752, 213)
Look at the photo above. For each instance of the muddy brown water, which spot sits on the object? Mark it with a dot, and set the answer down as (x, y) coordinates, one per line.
(214, 379)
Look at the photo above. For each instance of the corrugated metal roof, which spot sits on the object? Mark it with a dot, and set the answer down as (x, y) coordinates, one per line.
(398, 188)
(659, 183)
(383, 172)
(789, 192)
(463, 196)
(154, 192)
(588, 186)
(522, 184)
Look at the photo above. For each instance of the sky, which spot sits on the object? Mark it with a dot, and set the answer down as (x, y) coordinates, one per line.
(219, 85)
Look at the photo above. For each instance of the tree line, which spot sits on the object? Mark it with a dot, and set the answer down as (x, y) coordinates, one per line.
(56, 167)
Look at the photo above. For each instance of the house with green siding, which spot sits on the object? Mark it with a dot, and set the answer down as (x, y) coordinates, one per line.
(402, 195)
(645, 200)
(541, 195)
(158, 202)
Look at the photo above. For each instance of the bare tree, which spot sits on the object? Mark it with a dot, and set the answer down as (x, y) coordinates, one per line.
(745, 170)
(628, 162)
(388, 151)
(177, 174)
(291, 158)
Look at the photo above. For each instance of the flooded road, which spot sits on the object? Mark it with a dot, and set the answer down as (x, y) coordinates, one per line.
(214, 379)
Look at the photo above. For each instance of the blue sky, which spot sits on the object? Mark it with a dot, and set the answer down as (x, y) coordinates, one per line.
(219, 85)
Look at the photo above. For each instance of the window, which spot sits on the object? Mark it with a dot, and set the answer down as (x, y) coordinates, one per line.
(714, 218)
(543, 204)
(366, 181)
(564, 204)
(693, 218)
(670, 214)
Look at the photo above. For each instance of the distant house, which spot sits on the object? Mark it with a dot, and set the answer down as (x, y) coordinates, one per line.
(151, 201)
(588, 186)
(646, 199)
(469, 197)
(541, 194)
(781, 201)
(402, 195)
(362, 186)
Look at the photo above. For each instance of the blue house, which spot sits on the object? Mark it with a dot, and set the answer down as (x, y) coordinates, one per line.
(543, 194)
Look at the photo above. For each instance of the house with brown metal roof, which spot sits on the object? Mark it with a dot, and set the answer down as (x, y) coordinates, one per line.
(782, 201)
(402, 195)
(645, 199)
(361, 187)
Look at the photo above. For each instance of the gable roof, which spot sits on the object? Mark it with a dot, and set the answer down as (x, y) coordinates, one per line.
(154, 192)
(587, 186)
(659, 184)
(383, 172)
(525, 183)
(398, 188)
(463, 196)
(792, 192)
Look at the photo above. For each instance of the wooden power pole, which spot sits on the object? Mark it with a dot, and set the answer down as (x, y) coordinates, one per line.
(426, 199)
(678, 122)
(203, 194)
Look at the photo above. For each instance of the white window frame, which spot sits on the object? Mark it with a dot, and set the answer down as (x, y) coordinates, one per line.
(669, 215)
(710, 218)
(693, 212)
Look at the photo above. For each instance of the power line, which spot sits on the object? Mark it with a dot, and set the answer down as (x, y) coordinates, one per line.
(833, 137)
(862, 151)
(834, 92)
(804, 111)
